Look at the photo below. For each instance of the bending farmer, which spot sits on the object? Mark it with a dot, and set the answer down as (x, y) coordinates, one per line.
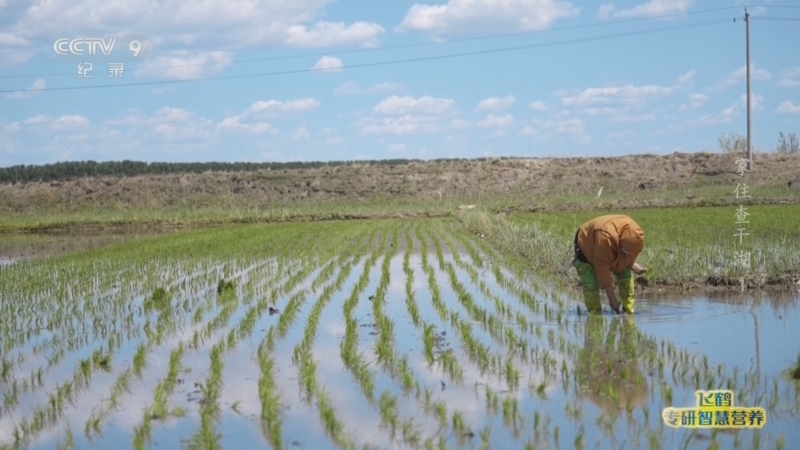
(605, 245)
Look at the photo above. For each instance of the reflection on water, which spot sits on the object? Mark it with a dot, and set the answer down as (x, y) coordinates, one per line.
(608, 367)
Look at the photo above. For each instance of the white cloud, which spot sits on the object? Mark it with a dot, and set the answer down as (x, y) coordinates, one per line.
(788, 107)
(222, 24)
(165, 134)
(619, 135)
(696, 100)
(652, 8)
(8, 40)
(335, 140)
(180, 65)
(12, 58)
(627, 94)
(622, 96)
(493, 121)
(569, 126)
(788, 82)
(164, 90)
(329, 34)
(170, 124)
(275, 108)
(396, 148)
(471, 16)
(329, 132)
(791, 72)
(537, 106)
(410, 124)
(790, 77)
(398, 106)
(756, 101)
(687, 77)
(16, 50)
(234, 123)
(353, 88)
(496, 104)
(403, 125)
(63, 123)
(459, 124)
(301, 134)
(29, 92)
(599, 111)
(328, 64)
(632, 118)
(739, 76)
(727, 114)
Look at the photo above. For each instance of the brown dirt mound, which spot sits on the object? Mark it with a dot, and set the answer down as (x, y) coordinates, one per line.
(528, 178)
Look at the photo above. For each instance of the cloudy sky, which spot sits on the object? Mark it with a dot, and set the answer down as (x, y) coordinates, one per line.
(571, 79)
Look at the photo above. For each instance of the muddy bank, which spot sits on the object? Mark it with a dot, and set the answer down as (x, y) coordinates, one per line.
(175, 224)
(710, 285)
(26, 246)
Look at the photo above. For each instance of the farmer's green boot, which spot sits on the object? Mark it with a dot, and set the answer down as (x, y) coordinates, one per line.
(626, 284)
(591, 287)
(592, 301)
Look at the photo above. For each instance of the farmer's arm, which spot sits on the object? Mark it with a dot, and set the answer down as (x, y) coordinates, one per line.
(638, 268)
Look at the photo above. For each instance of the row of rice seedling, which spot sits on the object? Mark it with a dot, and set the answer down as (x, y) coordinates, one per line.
(448, 361)
(211, 389)
(222, 293)
(28, 429)
(505, 367)
(302, 351)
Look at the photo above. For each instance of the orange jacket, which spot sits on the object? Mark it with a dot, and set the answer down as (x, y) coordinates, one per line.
(600, 240)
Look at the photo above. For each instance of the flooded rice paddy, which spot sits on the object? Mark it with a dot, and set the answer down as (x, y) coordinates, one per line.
(379, 334)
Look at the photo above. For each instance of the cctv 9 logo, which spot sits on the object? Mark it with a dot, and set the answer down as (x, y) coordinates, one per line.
(134, 47)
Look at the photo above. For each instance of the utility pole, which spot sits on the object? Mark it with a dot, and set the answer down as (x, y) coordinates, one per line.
(749, 109)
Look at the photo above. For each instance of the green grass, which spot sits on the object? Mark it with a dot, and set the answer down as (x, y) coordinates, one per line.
(239, 212)
(681, 244)
(185, 216)
(769, 224)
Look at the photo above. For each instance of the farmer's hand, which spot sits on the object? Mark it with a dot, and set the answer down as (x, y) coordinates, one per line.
(612, 299)
(639, 269)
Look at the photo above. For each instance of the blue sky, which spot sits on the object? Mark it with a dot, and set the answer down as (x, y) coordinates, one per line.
(656, 92)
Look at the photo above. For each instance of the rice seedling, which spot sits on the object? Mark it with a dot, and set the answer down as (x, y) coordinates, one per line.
(348, 351)
(448, 362)
(411, 304)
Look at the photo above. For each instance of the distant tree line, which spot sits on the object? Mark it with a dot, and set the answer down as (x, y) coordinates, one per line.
(70, 170)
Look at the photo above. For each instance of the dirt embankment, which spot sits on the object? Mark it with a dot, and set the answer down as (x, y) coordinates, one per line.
(533, 179)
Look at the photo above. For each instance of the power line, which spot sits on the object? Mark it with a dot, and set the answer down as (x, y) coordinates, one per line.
(402, 46)
(777, 19)
(390, 62)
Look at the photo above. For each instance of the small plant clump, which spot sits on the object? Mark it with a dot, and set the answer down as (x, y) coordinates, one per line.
(795, 370)
(225, 285)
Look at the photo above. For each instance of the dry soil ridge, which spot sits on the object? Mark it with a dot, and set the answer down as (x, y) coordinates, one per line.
(534, 179)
